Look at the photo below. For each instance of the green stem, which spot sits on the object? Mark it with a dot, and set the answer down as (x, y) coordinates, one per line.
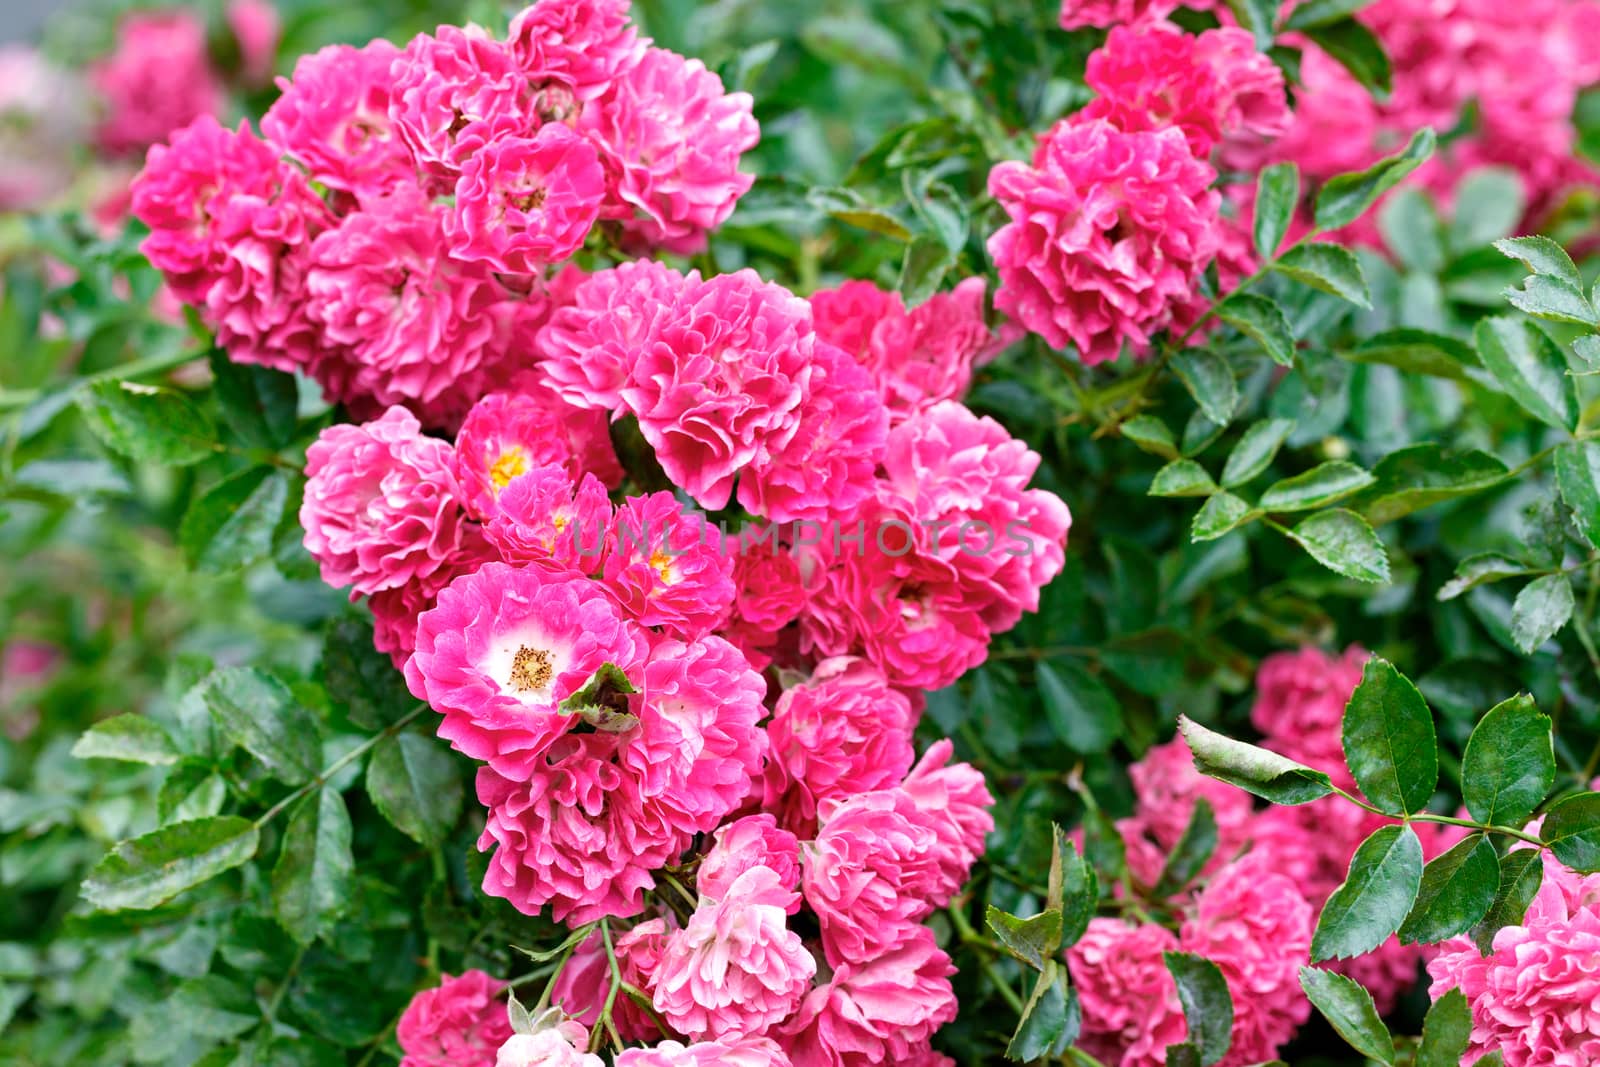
(1450, 820)
(339, 764)
(283, 987)
(1002, 987)
(605, 1023)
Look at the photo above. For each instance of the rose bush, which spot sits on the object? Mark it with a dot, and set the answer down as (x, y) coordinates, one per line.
(664, 533)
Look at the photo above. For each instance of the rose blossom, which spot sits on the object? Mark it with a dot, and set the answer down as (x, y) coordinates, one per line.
(525, 202)
(503, 647)
(1076, 14)
(554, 1042)
(256, 29)
(842, 732)
(460, 1023)
(1300, 703)
(540, 519)
(510, 433)
(1109, 234)
(1167, 787)
(1130, 1003)
(953, 801)
(753, 841)
(333, 118)
(157, 79)
(671, 139)
(381, 506)
(735, 969)
(44, 116)
(395, 611)
(666, 567)
(581, 987)
(751, 1052)
(584, 44)
(880, 1011)
(591, 342)
(454, 92)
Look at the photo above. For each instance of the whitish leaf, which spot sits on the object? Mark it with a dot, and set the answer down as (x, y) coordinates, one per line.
(1255, 770)
(1541, 610)
(1318, 487)
(130, 738)
(1343, 542)
(149, 871)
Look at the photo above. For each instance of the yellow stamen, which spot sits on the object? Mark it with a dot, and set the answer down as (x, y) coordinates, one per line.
(531, 669)
(512, 462)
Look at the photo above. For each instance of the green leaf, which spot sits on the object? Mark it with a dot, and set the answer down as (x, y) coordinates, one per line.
(1389, 743)
(1210, 381)
(129, 738)
(312, 880)
(1553, 299)
(1481, 570)
(1034, 940)
(1542, 256)
(1189, 856)
(1343, 542)
(1207, 1005)
(1541, 610)
(1277, 199)
(1423, 475)
(1446, 1031)
(1588, 350)
(1417, 351)
(1081, 710)
(210, 1007)
(1572, 830)
(1257, 16)
(1151, 435)
(258, 713)
(1221, 514)
(1181, 478)
(1317, 487)
(149, 871)
(602, 700)
(147, 423)
(1331, 268)
(923, 267)
(1050, 1020)
(1345, 198)
(850, 207)
(1521, 874)
(259, 404)
(1263, 322)
(231, 525)
(1529, 368)
(1412, 230)
(1384, 877)
(1509, 765)
(1349, 1009)
(359, 678)
(1316, 13)
(1457, 890)
(1079, 895)
(414, 783)
(1255, 451)
(1578, 475)
(1489, 203)
(1255, 770)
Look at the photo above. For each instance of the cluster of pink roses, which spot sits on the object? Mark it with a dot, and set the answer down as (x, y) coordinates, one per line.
(1116, 219)
(1260, 893)
(397, 231)
(655, 703)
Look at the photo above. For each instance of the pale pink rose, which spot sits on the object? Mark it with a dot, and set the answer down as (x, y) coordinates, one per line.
(524, 202)
(507, 434)
(157, 79)
(552, 1044)
(753, 841)
(1109, 233)
(1130, 1002)
(257, 29)
(843, 731)
(504, 647)
(671, 139)
(381, 505)
(750, 1052)
(735, 969)
(460, 1023)
(333, 119)
(667, 567)
(880, 1011)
